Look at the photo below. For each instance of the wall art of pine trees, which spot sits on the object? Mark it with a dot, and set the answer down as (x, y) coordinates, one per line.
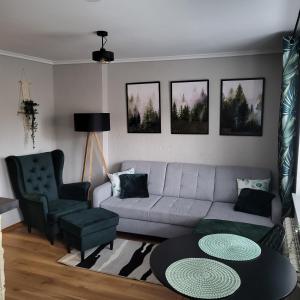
(242, 106)
(189, 107)
(143, 107)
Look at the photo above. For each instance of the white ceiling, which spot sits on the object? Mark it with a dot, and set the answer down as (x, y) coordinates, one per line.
(63, 29)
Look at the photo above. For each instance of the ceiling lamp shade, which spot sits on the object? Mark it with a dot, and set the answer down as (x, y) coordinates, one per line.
(92, 122)
(103, 56)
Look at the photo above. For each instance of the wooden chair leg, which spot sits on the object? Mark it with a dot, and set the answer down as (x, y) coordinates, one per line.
(82, 255)
(29, 228)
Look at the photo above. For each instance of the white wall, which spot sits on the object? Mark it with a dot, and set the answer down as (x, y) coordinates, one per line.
(82, 88)
(207, 149)
(11, 124)
(11, 128)
(78, 89)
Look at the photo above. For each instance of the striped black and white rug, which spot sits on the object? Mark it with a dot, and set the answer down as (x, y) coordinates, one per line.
(128, 259)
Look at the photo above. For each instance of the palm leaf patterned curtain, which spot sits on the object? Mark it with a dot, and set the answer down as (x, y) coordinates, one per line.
(288, 121)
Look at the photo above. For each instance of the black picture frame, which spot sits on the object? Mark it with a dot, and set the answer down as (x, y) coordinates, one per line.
(135, 125)
(233, 126)
(189, 127)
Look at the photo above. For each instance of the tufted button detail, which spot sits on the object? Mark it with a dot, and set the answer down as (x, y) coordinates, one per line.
(32, 170)
(39, 178)
(29, 180)
(49, 176)
(43, 168)
(36, 188)
(35, 160)
(46, 186)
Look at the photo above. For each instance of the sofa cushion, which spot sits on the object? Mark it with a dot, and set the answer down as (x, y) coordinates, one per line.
(61, 207)
(131, 208)
(179, 211)
(255, 202)
(134, 185)
(190, 181)
(226, 181)
(115, 181)
(156, 173)
(255, 184)
(225, 211)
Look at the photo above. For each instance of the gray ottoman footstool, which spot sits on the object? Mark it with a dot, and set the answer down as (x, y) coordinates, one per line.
(89, 228)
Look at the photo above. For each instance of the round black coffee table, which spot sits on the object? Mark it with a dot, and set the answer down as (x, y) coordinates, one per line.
(269, 277)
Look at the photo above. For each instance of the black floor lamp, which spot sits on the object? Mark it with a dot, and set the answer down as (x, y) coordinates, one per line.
(91, 123)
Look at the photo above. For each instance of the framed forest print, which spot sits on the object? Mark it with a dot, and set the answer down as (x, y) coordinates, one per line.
(143, 107)
(189, 107)
(242, 106)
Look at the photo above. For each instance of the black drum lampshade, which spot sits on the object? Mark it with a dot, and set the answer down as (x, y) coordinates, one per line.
(92, 122)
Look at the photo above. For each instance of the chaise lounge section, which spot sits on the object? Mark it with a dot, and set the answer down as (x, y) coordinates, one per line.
(181, 195)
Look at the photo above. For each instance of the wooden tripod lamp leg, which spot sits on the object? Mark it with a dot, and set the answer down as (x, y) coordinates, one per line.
(91, 159)
(85, 155)
(100, 148)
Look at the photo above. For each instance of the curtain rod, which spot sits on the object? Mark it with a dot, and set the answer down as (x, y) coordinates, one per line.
(296, 26)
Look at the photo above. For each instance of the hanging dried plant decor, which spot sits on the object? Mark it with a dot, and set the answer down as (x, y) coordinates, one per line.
(29, 110)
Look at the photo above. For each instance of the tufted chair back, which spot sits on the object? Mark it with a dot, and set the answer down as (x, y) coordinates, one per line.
(33, 174)
(38, 175)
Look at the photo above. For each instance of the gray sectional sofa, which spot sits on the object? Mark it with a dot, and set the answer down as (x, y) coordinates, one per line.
(180, 195)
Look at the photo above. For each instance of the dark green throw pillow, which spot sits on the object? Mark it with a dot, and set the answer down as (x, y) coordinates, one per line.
(255, 202)
(134, 186)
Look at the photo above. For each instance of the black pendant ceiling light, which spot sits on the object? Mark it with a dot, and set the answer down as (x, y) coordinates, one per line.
(103, 56)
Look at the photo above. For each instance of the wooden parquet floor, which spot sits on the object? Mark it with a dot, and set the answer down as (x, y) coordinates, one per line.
(32, 273)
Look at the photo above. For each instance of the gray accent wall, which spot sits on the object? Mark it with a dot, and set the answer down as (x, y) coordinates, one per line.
(205, 149)
(11, 124)
(11, 128)
(62, 90)
(78, 88)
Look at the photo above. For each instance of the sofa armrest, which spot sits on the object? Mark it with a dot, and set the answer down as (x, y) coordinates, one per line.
(101, 193)
(276, 209)
(75, 191)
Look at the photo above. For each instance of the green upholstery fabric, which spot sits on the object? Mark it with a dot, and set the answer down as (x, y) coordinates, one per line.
(89, 221)
(274, 238)
(91, 240)
(61, 207)
(77, 190)
(89, 228)
(43, 198)
(35, 209)
(251, 231)
(38, 175)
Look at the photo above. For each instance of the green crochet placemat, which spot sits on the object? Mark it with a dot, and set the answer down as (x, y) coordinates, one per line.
(202, 278)
(229, 246)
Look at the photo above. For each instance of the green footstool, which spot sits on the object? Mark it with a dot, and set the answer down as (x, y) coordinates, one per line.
(89, 228)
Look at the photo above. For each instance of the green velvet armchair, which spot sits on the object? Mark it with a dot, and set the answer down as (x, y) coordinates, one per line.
(43, 198)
